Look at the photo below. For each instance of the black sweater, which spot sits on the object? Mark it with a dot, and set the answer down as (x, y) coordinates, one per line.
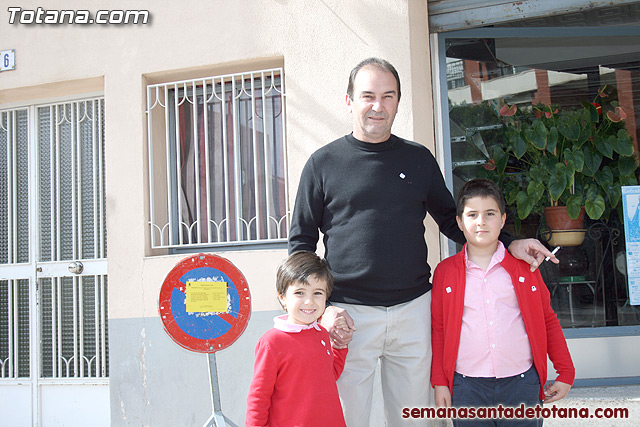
(370, 201)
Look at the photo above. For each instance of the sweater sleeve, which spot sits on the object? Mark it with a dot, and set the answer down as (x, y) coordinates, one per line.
(339, 357)
(556, 342)
(307, 213)
(438, 376)
(441, 206)
(262, 386)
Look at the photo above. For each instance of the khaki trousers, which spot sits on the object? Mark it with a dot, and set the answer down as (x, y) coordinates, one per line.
(399, 337)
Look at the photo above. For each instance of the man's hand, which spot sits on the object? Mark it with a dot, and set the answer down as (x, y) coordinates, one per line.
(443, 396)
(339, 324)
(531, 251)
(556, 391)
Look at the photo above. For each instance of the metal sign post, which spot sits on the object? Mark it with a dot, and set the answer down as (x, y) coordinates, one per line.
(216, 419)
(204, 307)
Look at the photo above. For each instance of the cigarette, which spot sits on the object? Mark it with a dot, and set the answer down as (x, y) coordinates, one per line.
(553, 252)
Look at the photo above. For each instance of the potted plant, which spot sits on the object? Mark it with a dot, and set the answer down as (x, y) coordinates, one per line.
(574, 159)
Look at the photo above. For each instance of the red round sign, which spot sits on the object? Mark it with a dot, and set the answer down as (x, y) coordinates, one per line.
(204, 331)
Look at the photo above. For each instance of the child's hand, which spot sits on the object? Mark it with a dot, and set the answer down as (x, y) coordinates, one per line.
(339, 324)
(443, 396)
(556, 391)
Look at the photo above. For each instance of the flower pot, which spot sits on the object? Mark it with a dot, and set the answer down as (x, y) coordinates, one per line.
(564, 230)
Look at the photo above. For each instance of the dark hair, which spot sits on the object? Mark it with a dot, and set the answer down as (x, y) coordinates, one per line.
(376, 62)
(298, 267)
(479, 187)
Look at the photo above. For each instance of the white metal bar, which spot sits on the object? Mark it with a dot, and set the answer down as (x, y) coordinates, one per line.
(170, 195)
(14, 185)
(237, 183)
(205, 108)
(283, 96)
(265, 146)
(152, 218)
(54, 326)
(94, 181)
(74, 174)
(196, 161)
(103, 325)
(52, 178)
(103, 237)
(81, 349)
(256, 159)
(12, 315)
(76, 344)
(225, 147)
(8, 173)
(178, 162)
(96, 324)
(59, 349)
(57, 185)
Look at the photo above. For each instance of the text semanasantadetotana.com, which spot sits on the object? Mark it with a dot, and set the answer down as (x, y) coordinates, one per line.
(17, 15)
(520, 412)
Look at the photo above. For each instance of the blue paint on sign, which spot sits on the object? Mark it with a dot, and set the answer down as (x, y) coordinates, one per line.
(201, 325)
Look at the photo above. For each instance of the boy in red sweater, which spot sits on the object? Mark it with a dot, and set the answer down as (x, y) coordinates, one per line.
(296, 367)
(492, 321)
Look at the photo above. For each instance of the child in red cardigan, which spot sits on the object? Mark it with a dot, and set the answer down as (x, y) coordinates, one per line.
(492, 321)
(296, 367)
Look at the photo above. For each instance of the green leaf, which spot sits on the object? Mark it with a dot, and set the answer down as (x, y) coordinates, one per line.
(538, 174)
(628, 180)
(614, 193)
(605, 146)
(552, 139)
(574, 203)
(535, 190)
(519, 146)
(594, 206)
(622, 144)
(558, 181)
(627, 165)
(500, 157)
(604, 177)
(569, 127)
(576, 156)
(592, 161)
(524, 204)
(537, 134)
(593, 111)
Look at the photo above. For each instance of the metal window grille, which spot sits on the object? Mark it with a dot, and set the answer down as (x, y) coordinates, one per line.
(217, 161)
(15, 327)
(52, 191)
(73, 310)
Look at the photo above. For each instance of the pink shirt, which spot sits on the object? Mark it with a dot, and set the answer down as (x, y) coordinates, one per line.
(281, 323)
(493, 339)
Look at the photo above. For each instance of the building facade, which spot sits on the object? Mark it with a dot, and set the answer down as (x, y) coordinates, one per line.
(131, 139)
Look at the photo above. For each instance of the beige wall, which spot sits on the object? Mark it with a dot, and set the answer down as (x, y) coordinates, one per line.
(317, 41)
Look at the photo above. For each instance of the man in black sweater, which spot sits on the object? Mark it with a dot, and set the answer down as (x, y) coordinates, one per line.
(369, 193)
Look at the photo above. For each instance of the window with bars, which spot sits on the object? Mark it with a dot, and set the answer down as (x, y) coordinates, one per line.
(217, 161)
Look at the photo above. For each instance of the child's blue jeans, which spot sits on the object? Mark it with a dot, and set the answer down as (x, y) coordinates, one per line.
(473, 392)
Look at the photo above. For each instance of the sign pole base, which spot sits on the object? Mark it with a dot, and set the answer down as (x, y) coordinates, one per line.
(217, 418)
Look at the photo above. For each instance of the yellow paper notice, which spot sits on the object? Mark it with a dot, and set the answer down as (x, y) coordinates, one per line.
(206, 297)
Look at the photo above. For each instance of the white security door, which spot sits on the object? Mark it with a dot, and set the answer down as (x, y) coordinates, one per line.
(53, 283)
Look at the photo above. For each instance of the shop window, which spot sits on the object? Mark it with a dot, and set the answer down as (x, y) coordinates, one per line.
(217, 171)
(502, 85)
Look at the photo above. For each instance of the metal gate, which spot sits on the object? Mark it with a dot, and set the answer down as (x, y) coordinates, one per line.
(53, 283)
